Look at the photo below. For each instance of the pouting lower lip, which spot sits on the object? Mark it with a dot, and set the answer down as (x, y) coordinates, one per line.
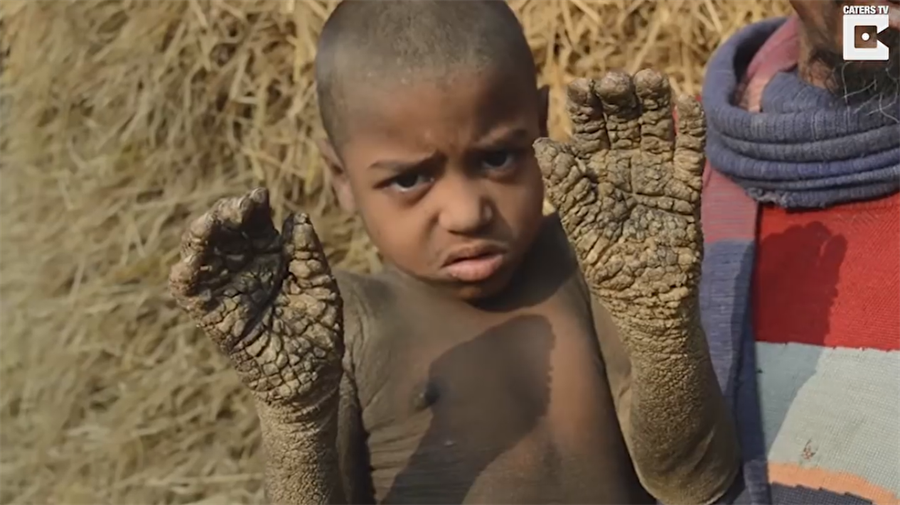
(473, 253)
(475, 269)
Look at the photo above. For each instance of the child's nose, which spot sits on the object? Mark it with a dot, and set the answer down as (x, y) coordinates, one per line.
(466, 211)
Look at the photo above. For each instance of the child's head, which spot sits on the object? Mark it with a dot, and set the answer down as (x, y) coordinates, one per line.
(431, 108)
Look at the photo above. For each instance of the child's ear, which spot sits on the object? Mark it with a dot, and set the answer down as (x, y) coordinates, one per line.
(544, 108)
(339, 182)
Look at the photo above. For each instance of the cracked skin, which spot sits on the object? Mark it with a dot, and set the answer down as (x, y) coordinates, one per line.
(590, 383)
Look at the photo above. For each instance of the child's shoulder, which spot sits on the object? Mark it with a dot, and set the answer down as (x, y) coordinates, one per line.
(382, 318)
(364, 295)
(370, 302)
(357, 288)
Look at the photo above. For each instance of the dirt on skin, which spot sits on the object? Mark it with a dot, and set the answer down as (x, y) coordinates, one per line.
(627, 190)
(266, 299)
(123, 121)
(269, 302)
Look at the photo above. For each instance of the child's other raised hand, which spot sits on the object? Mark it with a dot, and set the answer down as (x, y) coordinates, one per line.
(267, 300)
(627, 189)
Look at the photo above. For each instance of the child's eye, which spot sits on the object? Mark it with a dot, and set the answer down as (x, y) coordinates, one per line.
(498, 159)
(409, 181)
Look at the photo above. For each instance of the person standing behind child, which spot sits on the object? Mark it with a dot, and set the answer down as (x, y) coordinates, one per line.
(801, 274)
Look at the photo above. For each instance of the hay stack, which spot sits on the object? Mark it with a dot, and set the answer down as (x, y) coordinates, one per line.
(127, 118)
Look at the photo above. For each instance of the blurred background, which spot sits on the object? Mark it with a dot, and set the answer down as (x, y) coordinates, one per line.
(124, 119)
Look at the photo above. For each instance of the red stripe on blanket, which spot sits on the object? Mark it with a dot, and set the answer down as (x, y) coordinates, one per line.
(829, 277)
(727, 212)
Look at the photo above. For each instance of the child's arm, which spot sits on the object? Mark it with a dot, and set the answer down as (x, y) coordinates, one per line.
(271, 305)
(627, 191)
(682, 455)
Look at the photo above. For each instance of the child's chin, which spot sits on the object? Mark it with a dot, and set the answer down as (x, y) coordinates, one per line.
(484, 290)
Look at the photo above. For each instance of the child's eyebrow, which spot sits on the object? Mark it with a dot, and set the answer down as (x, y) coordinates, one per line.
(503, 137)
(402, 165)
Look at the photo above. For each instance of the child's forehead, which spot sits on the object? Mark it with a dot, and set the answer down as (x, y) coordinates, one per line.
(461, 92)
(411, 118)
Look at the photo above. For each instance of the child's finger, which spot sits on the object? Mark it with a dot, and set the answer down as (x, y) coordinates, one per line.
(690, 141)
(307, 262)
(585, 110)
(314, 300)
(184, 282)
(196, 238)
(257, 222)
(567, 184)
(250, 214)
(656, 124)
(623, 110)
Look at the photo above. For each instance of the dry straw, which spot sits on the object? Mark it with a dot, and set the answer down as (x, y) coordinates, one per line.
(122, 119)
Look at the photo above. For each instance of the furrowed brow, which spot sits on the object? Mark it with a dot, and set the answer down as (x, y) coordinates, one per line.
(503, 137)
(403, 165)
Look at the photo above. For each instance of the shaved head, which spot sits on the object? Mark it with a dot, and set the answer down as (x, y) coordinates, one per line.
(376, 44)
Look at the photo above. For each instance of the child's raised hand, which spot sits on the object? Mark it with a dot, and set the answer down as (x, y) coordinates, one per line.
(627, 190)
(267, 300)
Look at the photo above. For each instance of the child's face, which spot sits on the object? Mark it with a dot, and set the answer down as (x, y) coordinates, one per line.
(445, 178)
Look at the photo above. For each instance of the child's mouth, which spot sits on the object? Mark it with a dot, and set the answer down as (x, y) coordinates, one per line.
(475, 264)
(475, 269)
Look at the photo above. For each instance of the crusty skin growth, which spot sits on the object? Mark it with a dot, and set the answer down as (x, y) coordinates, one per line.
(269, 302)
(627, 190)
(627, 193)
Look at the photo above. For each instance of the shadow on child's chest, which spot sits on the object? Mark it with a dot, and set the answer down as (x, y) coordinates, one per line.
(500, 378)
(467, 401)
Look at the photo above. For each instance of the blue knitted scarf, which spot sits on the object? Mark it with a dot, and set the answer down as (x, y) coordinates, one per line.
(806, 147)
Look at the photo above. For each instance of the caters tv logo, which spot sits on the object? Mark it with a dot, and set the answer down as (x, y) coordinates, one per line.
(862, 24)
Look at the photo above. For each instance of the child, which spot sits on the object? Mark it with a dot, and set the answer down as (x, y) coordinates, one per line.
(483, 365)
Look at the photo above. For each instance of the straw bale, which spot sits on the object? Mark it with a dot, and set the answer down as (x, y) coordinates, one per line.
(123, 119)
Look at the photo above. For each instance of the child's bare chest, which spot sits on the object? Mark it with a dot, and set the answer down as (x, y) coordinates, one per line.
(513, 408)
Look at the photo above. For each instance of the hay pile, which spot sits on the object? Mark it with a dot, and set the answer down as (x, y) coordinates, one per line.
(125, 119)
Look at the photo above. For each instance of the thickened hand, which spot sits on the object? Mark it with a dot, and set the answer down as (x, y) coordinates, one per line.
(267, 300)
(627, 190)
